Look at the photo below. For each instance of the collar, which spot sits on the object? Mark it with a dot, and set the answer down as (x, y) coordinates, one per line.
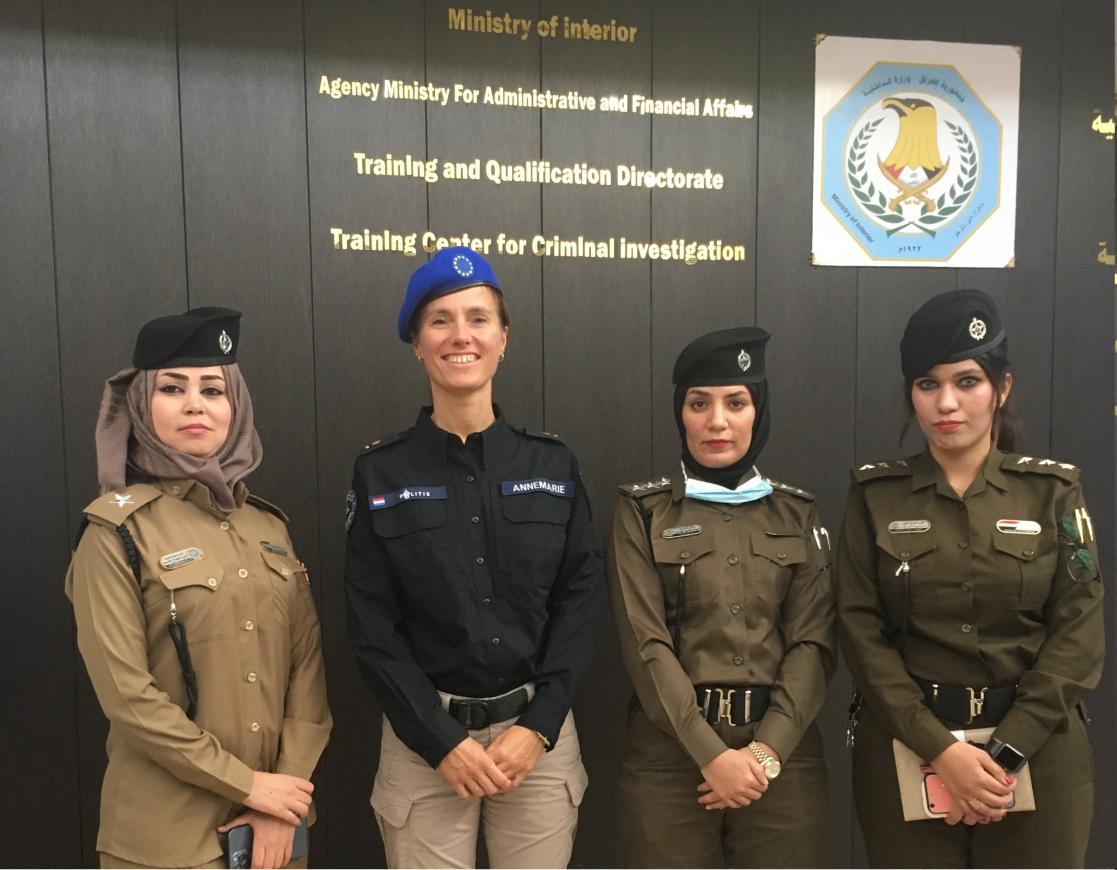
(926, 472)
(678, 483)
(496, 440)
(188, 488)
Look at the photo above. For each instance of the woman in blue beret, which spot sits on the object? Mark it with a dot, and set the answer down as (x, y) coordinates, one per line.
(970, 613)
(473, 578)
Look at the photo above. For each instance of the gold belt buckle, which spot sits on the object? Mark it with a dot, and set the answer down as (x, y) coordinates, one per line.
(977, 701)
(725, 705)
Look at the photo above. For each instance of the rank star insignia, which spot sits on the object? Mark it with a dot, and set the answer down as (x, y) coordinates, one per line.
(1066, 465)
(1023, 460)
(121, 499)
(744, 360)
(225, 343)
(866, 467)
(977, 329)
(1047, 462)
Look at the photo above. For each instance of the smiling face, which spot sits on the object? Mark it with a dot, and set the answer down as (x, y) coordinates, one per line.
(718, 423)
(190, 409)
(955, 405)
(460, 338)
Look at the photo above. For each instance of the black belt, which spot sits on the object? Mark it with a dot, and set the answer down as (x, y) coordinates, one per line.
(474, 713)
(967, 704)
(737, 705)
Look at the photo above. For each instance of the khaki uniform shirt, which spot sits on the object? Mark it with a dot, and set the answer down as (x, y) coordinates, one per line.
(253, 633)
(959, 592)
(758, 610)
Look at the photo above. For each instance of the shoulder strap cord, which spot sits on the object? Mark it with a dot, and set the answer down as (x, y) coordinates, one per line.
(177, 629)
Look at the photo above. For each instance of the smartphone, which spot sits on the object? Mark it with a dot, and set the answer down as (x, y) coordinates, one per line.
(238, 848)
(935, 796)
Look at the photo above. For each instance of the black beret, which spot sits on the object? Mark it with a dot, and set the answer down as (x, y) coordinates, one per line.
(200, 337)
(953, 326)
(728, 356)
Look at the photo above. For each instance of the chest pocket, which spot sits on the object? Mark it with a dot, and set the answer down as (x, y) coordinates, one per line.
(288, 580)
(413, 533)
(905, 572)
(200, 602)
(1029, 563)
(532, 537)
(694, 554)
(774, 556)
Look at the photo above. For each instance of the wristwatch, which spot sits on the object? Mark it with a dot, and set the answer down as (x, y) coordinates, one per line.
(1006, 755)
(771, 766)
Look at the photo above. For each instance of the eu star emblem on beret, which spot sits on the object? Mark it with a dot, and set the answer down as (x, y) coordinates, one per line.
(462, 265)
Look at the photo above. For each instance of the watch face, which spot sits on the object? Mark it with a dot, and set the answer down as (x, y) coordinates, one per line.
(1009, 759)
(771, 768)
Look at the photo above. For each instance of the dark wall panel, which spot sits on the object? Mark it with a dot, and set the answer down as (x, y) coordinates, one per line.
(38, 726)
(118, 238)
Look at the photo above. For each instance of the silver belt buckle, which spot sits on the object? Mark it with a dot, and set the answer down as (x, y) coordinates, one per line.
(977, 701)
(725, 706)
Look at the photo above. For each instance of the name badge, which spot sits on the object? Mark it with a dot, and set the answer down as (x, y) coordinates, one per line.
(274, 548)
(180, 558)
(682, 531)
(909, 527)
(1018, 527)
(410, 493)
(564, 488)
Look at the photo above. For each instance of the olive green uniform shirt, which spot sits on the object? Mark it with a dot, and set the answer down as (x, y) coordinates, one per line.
(943, 588)
(758, 611)
(254, 640)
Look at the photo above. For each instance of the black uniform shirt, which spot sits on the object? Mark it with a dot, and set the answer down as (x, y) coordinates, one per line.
(471, 569)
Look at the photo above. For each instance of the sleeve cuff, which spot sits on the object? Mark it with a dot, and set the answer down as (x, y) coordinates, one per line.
(1023, 731)
(928, 740)
(780, 733)
(237, 784)
(703, 744)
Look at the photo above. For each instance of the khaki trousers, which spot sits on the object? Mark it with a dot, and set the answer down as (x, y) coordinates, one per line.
(425, 824)
(111, 861)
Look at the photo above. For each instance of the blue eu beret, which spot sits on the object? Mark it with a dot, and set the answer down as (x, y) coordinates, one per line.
(448, 271)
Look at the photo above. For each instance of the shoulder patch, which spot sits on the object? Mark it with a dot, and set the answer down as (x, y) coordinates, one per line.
(384, 442)
(545, 436)
(794, 490)
(256, 501)
(1033, 465)
(875, 470)
(113, 508)
(645, 487)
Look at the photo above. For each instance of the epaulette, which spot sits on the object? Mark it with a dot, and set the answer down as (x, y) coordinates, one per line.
(876, 470)
(113, 508)
(544, 436)
(385, 441)
(1032, 465)
(267, 506)
(794, 490)
(645, 487)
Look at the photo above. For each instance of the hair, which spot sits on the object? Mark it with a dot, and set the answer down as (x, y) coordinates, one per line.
(1007, 429)
(501, 310)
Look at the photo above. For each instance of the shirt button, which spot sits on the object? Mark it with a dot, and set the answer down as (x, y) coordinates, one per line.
(496, 641)
(1029, 553)
(475, 520)
(480, 560)
(224, 527)
(286, 572)
(249, 625)
(251, 677)
(175, 490)
(684, 555)
(963, 544)
(727, 518)
(905, 556)
(781, 555)
(243, 572)
(738, 660)
(732, 560)
(966, 587)
(966, 628)
(255, 726)
(212, 581)
(469, 478)
(735, 609)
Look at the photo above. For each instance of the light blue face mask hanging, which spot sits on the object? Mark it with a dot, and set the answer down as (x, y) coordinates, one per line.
(753, 489)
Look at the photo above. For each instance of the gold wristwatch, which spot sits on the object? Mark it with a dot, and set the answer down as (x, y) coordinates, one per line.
(771, 765)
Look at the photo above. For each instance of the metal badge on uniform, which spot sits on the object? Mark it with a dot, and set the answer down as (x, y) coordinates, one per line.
(564, 488)
(180, 558)
(274, 548)
(909, 527)
(1018, 527)
(682, 531)
(410, 493)
(350, 508)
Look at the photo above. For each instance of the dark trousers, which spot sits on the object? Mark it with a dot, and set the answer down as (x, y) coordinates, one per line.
(661, 823)
(1054, 835)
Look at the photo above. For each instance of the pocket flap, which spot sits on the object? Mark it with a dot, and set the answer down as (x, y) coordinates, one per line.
(202, 573)
(1023, 547)
(780, 548)
(904, 548)
(536, 507)
(390, 802)
(576, 786)
(681, 551)
(409, 516)
(285, 566)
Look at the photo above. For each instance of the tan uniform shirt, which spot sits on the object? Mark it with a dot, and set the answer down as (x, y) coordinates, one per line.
(758, 611)
(958, 591)
(254, 640)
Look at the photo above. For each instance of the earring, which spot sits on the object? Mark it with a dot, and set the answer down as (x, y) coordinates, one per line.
(501, 358)
(419, 357)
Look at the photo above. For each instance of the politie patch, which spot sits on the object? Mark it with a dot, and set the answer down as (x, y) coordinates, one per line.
(564, 488)
(410, 493)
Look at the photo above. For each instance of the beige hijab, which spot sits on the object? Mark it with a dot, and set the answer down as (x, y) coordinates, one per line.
(127, 446)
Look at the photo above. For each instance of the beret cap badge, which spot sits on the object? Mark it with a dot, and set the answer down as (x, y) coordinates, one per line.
(744, 360)
(225, 343)
(462, 265)
(977, 329)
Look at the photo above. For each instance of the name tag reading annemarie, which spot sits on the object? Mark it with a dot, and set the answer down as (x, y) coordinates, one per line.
(410, 493)
(563, 488)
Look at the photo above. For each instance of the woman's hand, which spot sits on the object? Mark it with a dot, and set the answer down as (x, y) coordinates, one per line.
(975, 781)
(271, 839)
(277, 794)
(471, 772)
(516, 751)
(734, 779)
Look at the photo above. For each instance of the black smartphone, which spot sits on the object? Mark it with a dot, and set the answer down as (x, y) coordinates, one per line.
(238, 845)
